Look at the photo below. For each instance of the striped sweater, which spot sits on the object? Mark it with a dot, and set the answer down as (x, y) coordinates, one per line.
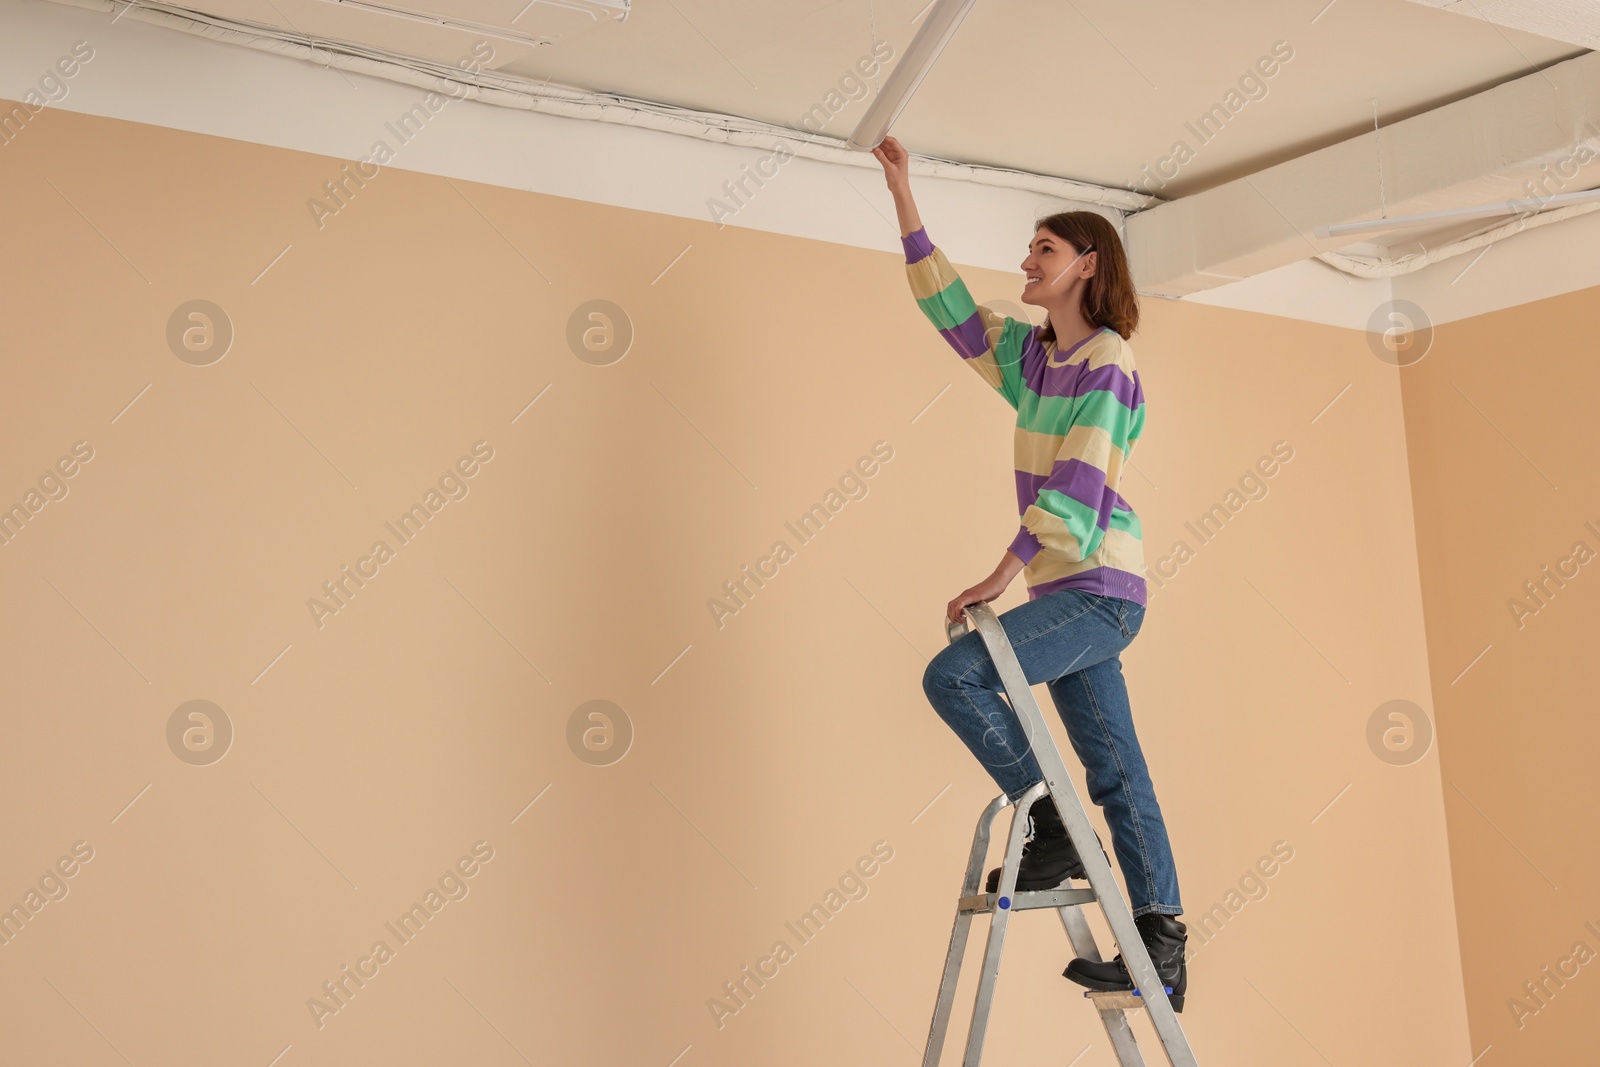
(1079, 414)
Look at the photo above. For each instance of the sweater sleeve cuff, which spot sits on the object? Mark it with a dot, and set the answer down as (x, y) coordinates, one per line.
(1024, 546)
(916, 244)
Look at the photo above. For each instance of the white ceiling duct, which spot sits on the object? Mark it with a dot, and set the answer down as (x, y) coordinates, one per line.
(1574, 21)
(1538, 135)
(508, 90)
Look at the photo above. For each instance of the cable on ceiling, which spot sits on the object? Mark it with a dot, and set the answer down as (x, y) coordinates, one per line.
(1373, 267)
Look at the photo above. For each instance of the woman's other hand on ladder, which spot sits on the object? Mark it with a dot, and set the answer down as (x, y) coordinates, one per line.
(989, 589)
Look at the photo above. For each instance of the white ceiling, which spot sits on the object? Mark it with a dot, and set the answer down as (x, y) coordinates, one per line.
(1088, 89)
(1576, 21)
(1472, 110)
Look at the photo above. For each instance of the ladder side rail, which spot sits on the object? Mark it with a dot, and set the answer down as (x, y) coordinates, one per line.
(958, 936)
(999, 919)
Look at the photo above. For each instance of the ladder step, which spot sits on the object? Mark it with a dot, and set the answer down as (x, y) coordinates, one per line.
(1123, 999)
(982, 903)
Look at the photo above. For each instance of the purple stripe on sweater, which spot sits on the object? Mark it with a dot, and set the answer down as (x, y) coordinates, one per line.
(1025, 546)
(1083, 482)
(1101, 581)
(971, 340)
(1115, 379)
(968, 339)
(1033, 368)
(1029, 484)
(1109, 377)
(916, 245)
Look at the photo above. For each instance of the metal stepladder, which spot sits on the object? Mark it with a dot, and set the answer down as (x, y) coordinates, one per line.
(1068, 902)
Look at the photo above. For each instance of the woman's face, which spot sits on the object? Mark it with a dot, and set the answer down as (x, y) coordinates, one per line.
(1054, 270)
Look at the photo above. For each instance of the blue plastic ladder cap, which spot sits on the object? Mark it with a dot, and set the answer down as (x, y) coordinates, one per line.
(1005, 903)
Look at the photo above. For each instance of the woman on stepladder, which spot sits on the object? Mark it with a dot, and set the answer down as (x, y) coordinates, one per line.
(1079, 409)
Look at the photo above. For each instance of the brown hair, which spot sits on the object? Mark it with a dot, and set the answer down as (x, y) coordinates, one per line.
(1109, 298)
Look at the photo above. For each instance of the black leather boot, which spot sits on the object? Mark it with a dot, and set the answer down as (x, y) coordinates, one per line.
(1048, 857)
(1164, 938)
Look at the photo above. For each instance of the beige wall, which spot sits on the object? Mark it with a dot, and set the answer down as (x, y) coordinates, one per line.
(769, 755)
(1501, 437)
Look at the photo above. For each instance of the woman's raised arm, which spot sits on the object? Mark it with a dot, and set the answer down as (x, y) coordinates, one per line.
(896, 171)
(987, 341)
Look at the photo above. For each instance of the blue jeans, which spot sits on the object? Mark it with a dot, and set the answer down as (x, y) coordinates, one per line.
(1070, 640)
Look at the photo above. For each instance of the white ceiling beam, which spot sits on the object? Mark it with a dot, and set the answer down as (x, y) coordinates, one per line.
(1535, 136)
(1574, 21)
